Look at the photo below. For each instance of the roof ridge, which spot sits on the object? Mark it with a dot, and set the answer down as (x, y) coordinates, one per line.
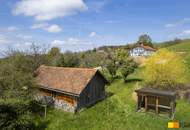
(79, 68)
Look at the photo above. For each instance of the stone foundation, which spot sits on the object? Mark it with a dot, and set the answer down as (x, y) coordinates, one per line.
(61, 104)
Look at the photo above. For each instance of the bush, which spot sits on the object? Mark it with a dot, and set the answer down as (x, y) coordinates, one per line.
(165, 69)
(16, 116)
(128, 68)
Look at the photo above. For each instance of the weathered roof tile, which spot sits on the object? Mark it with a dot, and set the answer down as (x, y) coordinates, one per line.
(71, 80)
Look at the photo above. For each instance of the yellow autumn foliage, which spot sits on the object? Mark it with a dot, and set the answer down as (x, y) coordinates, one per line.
(165, 69)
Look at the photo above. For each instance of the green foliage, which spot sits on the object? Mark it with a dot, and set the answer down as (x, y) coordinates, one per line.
(165, 69)
(16, 77)
(128, 68)
(145, 40)
(17, 89)
(117, 112)
(112, 68)
(55, 58)
(92, 59)
(120, 60)
(19, 115)
(70, 60)
(169, 43)
(16, 116)
(122, 56)
(112, 64)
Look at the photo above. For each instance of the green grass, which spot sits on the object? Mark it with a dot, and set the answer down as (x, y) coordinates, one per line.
(118, 112)
(183, 49)
(114, 113)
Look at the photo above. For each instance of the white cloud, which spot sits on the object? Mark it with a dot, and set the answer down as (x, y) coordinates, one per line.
(12, 28)
(112, 21)
(4, 40)
(48, 10)
(97, 5)
(23, 36)
(92, 34)
(40, 25)
(186, 32)
(45, 26)
(170, 25)
(178, 23)
(53, 28)
(9, 29)
(70, 41)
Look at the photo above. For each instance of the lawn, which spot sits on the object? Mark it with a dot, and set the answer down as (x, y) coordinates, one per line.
(118, 112)
(183, 49)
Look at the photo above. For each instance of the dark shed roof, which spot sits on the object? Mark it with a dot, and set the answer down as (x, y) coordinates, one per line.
(156, 92)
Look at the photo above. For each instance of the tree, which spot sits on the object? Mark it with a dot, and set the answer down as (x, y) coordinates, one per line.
(145, 40)
(165, 69)
(120, 60)
(122, 56)
(112, 68)
(55, 57)
(17, 91)
(70, 59)
(127, 68)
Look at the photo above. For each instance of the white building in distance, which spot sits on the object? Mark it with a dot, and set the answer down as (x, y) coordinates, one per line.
(142, 50)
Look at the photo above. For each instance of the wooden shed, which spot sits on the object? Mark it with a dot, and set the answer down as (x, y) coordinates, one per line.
(160, 101)
(71, 88)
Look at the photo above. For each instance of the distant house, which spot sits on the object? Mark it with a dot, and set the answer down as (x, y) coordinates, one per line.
(142, 50)
(71, 88)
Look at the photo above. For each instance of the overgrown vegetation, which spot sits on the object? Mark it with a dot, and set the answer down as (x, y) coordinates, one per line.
(17, 90)
(17, 73)
(165, 69)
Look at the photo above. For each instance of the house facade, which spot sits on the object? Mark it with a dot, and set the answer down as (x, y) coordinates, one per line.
(70, 88)
(142, 50)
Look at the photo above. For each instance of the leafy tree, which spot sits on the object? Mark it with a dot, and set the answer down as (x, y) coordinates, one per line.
(17, 89)
(16, 116)
(120, 60)
(122, 56)
(92, 59)
(145, 40)
(112, 68)
(127, 68)
(112, 64)
(16, 76)
(165, 69)
(55, 57)
(71, 59)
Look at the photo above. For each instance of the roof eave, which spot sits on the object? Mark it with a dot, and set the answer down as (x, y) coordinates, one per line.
(60, 91)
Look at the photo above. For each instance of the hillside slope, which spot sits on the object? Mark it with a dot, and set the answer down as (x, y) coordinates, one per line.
(183, 49)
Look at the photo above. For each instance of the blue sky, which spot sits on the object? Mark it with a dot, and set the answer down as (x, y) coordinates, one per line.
(78, 25)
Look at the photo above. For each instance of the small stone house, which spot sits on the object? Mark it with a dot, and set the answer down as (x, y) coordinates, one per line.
(142, 50)
(71, 88)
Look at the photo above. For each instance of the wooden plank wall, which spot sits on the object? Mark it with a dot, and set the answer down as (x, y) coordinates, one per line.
(69, 99)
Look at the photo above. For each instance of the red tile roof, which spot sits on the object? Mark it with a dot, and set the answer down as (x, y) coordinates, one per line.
(70, 80)
(148, 48)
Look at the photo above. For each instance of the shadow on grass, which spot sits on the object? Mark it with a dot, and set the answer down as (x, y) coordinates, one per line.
(42, 125)
(107, 95)
(133, 80)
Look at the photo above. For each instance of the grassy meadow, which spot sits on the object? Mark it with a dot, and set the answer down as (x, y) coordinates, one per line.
(118, 111)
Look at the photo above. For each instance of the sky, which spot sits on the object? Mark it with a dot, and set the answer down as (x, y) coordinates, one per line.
(78, 25)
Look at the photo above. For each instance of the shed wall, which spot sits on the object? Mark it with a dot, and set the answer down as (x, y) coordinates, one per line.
(61, 101)
(94, 92)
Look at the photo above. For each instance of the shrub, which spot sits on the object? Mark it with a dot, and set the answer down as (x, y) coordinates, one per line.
(128, 68)
(165, 69)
